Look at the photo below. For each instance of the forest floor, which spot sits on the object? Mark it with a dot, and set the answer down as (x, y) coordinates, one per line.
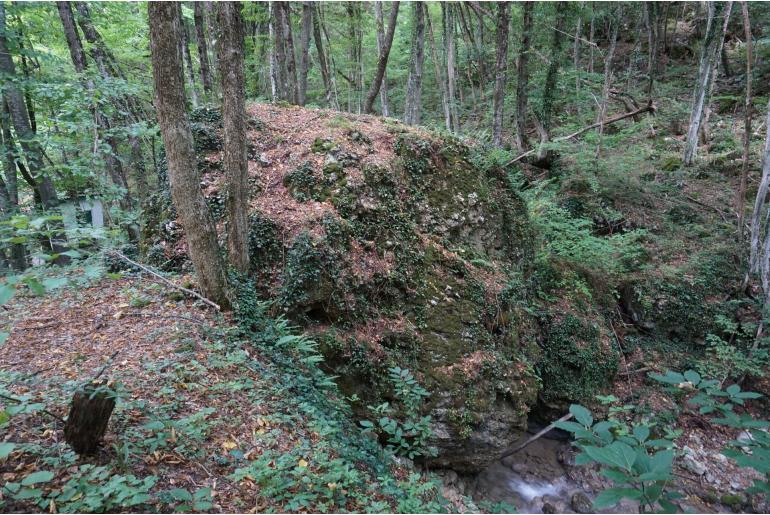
(194, 408)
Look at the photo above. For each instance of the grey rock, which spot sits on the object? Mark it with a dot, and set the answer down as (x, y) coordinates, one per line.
(581, 503)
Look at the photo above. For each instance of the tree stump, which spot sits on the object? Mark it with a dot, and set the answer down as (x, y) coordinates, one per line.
(88, 418)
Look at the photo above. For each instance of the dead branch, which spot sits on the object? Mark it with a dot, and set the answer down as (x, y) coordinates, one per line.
(164, 280)
(536, 436)
(649, 108)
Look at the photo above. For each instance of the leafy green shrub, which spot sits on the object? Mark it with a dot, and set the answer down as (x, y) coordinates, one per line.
(406, 430)
(264, 242)
(641, 467)
(302, 182)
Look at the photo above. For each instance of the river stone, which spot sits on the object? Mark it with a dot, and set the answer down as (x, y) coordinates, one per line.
(581, 503)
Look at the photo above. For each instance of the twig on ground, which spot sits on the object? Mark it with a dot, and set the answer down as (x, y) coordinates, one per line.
(165, 281)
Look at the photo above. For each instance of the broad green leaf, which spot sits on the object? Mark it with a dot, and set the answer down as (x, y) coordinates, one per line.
(641, 433)
(180, 494)
(42, 476)
(6, 448)
(4, 336)
(662, 460)
(6, 292)
(668, 378)
(52, 283)
(692, 376)
(581, 414)
(613, 496)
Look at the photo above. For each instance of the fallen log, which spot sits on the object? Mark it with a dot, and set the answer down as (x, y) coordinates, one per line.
(649, 108)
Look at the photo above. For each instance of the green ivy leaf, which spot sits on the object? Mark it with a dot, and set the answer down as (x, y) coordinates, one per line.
(42, 476)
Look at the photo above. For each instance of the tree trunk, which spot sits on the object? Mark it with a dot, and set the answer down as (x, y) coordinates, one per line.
(759, 261)
(610, 54)
(380, 22)
(437, 69)
(231, 59)
(705, 132)
(591, 37)
(501, 68)
(651, 21)
(20, 119)
(203, 53)
(188, 199)
(323, 63)
(356, 60)
(549, 89)
(413, 103)
(382, 62)
(522, 70)
(88, 418)
(18, 252)
(304, 60)
(741, 200)
(576, 49)
(188, 59)
(291, 65)
(703, 82)
(280, 50)
(275, 76)
(451, 82)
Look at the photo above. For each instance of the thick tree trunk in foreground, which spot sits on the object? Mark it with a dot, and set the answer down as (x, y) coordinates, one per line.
(182, 167)
(88, 418)
(203, 52)
(413, 105)
(501, 68)
(382, 62)
(522, 71)
(703, 84)
(231, 59)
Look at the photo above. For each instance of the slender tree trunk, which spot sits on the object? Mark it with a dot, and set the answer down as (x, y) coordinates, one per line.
(651, 20)
(9, 155)
(275, 77)
(20, 119)
(380, 41)
(437, 69)
(501, 69)
(413, 107)
(280, 51)
(291, 64)
(231, 59)
(168, 79)
(203, 52)
(304, 61)
(449, 42)
(522, 70)
(382, 63)
(545, 112)
(703, 86)
(323, 63)
(329, 59)
(576, 50)
(610, 54)
(591, 37)
(759, 260)
(188, 59)
(705, 132)
(214, 35)
(741, 200)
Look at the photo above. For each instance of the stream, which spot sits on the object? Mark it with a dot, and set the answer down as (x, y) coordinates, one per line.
(541, 478)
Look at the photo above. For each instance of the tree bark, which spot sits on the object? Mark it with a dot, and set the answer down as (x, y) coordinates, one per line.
(323, 62)
(522, 70)
(188, 59)
(291, 65)
(741, 200)
(705, 132)
(703, 81)
(759, 260)
(501, 68)
(549, 89)
(231, 59)
(380, 23)
(88, 418)
(20, 119)
(188, 199)
(610, 54)
(304, 60)
(279, 50)
(382, 62)
(413, 103)
(451, 71)
(651, 20)
(203, 53)
(437, 69)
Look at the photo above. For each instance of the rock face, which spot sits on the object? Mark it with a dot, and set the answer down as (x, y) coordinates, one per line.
(394, 249)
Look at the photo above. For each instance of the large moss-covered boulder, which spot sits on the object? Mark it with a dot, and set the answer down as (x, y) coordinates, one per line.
(395, 251)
